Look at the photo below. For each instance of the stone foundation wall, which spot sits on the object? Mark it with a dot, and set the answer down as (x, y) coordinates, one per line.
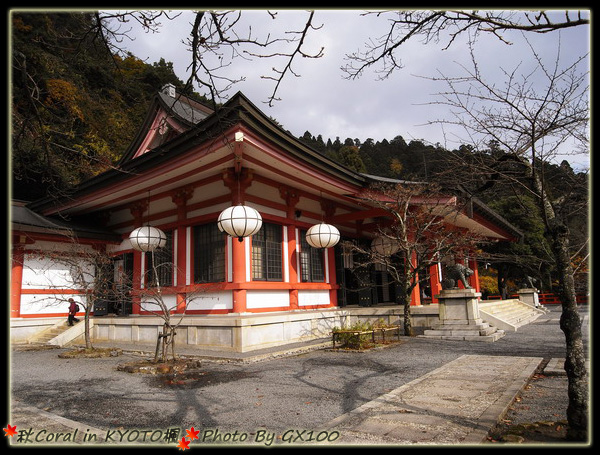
(243, 332)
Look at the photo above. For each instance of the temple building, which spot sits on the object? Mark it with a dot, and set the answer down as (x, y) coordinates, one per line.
(186, 166)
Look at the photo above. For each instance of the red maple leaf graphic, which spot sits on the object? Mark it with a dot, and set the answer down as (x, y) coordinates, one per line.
(11, 431)
(183, 444)
(192, 434)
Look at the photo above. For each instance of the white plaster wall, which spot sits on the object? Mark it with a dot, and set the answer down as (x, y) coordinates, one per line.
(211, 301)
(149, 304)
(42, 272)
(37, 304)
(310, 297)
(267, 299)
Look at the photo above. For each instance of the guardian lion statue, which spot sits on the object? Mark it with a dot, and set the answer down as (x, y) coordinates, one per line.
(456, 273)
(529, 282)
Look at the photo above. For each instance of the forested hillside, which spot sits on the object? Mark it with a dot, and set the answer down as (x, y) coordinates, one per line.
(76, 107)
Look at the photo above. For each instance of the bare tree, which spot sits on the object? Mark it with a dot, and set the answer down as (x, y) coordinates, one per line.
(415, 232)
(531, 119)
(383, 52)
(84, 270)
(217, 38)
(532, 116)
(153, 300)
(88, 270)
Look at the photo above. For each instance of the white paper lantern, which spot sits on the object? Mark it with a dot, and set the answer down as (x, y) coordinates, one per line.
(147, 238)
(322, 236)
(239, 221)
(384, 245)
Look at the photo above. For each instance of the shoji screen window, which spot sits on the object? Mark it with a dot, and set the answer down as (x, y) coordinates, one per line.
(267, 253)
(209, 254)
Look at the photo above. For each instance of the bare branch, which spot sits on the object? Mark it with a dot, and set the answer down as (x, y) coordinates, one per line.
(110, 29)
(297, 51)
(419, 230)
(433, 26)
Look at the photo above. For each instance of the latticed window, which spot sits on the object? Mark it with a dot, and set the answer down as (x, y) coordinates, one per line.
(209, 254)
(163, 264)
(267, 253)
(312, 266)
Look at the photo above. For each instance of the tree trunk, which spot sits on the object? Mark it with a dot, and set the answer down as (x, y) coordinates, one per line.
(407, 322)
(86, 319)
(405, 300)
(570, 324)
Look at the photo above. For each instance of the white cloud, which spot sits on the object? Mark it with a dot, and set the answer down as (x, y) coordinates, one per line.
(322, 102)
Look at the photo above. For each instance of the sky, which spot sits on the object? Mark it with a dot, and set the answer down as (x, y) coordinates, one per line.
(323, 102)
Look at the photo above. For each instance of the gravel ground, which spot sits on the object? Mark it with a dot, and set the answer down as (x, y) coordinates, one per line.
(299, 392)
(538, 416)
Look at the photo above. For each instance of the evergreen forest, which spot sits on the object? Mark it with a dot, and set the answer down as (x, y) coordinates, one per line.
(76, 106)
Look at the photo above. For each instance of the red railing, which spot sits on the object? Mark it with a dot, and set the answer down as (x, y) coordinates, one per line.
(545, 299)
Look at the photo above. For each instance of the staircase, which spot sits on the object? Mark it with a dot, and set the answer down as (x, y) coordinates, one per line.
(480, 331)
(60, 334)
(508, 315)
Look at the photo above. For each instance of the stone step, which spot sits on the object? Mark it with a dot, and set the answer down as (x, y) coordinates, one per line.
(488, 330)
(472, 337)
(508, 311)
(49, 334)
(522, 317)
(508, 314)
(464, 332)
(503, 308)
(454, 331)
(450, 325)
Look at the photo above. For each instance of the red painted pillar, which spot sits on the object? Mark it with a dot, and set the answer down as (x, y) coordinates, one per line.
(332, 276)
(136, 282)
(18, 256)
(292, 265)
(329, 209)
(291, 198)
(474, 279)
(434, 282)
(238, 180)
(180, 199)
(137, 211)
(239, 274)
(415, 297)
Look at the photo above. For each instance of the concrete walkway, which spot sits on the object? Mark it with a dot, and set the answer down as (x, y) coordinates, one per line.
(56, 429)
(455, 404)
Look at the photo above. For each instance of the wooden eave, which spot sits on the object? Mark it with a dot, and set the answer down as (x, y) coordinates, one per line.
(250, 115)
(26, 222)
(238, 110)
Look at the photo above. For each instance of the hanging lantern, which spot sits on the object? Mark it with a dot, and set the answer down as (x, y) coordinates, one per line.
(147, 238)
(384, 246)
(322, 236)
(239, 221)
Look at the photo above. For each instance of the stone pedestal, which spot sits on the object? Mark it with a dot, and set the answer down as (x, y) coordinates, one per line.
(459, 318)
(530, 297)
(459, 306)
